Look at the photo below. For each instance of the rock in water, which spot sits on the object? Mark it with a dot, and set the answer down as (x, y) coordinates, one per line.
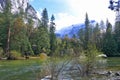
(102, 55)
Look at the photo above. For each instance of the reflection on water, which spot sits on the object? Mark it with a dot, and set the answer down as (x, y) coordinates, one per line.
(104, 69)
(107, 69)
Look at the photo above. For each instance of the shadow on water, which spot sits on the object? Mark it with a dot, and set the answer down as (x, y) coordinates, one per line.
(104, 69)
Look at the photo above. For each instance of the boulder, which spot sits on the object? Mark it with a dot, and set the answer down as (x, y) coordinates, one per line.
(117, 74)
(102, 55)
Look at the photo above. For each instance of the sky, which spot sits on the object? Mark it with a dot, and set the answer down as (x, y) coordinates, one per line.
(69, 12)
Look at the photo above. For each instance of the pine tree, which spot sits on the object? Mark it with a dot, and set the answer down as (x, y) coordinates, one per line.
(8, 24)
(102, 26)
(52, 36)
(3, 31)
(102, 34)
(117, 35)
(44, 18)
(43, 40)
(90, 49)
(86, 42)
(109, 44)
(96, 36)
(81, 35)
(30, 27)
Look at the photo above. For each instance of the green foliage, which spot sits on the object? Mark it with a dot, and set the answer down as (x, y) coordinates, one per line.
(41, 36)
(1, 52)
(15, 54)
(16, 35)
(42, 40)
(117, 35)
(8, 18)
(44, 18)
(96, 39)
(90, 58)
(87, 32)
(52, 36)
(30, 27)
(109, 44)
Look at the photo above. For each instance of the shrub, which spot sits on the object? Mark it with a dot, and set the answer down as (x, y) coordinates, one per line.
(14, 54)
(43, 56)
(1, 52)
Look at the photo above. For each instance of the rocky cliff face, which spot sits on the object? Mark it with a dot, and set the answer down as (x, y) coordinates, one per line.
(16, 5)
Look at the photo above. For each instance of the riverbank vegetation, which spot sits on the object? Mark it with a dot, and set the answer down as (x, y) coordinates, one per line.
(20, 40)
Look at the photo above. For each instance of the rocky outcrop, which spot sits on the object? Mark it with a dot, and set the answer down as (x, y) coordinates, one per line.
(17, 5)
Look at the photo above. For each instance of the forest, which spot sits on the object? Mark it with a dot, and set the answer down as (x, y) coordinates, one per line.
(21, 39)
(18, 38)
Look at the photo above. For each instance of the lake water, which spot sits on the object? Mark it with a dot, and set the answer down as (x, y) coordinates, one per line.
(107, 69)
(29, 69)
(100, 72)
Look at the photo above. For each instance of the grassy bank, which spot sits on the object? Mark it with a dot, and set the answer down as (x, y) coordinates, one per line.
(113, 63)
(19, 69)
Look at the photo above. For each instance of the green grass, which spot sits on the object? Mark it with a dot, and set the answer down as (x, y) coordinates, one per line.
(113, 63)
(19, 69)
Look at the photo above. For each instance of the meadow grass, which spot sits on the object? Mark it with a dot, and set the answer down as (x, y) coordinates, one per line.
(19, 69)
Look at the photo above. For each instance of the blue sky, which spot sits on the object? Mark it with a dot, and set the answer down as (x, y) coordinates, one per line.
(68, 12)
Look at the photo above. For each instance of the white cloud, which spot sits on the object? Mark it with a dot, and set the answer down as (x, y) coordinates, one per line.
(96, 9)
(65, 19)
(76, 10)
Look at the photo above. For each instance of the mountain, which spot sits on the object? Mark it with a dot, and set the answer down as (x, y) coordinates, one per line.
(17, 5)
(71, 30)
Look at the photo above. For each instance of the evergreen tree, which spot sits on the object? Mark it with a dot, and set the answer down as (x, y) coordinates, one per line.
(87, 24)
(19, 38)
(102, 34)
(102, 26)
(81, 35)
(117, 35)
(3, 31)
(43, 40)
(96, 36)
(109, 44)
(44, 18)
(30, 27)
(66, 44)
(52, 36)
(75, 45)
(8, 24)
